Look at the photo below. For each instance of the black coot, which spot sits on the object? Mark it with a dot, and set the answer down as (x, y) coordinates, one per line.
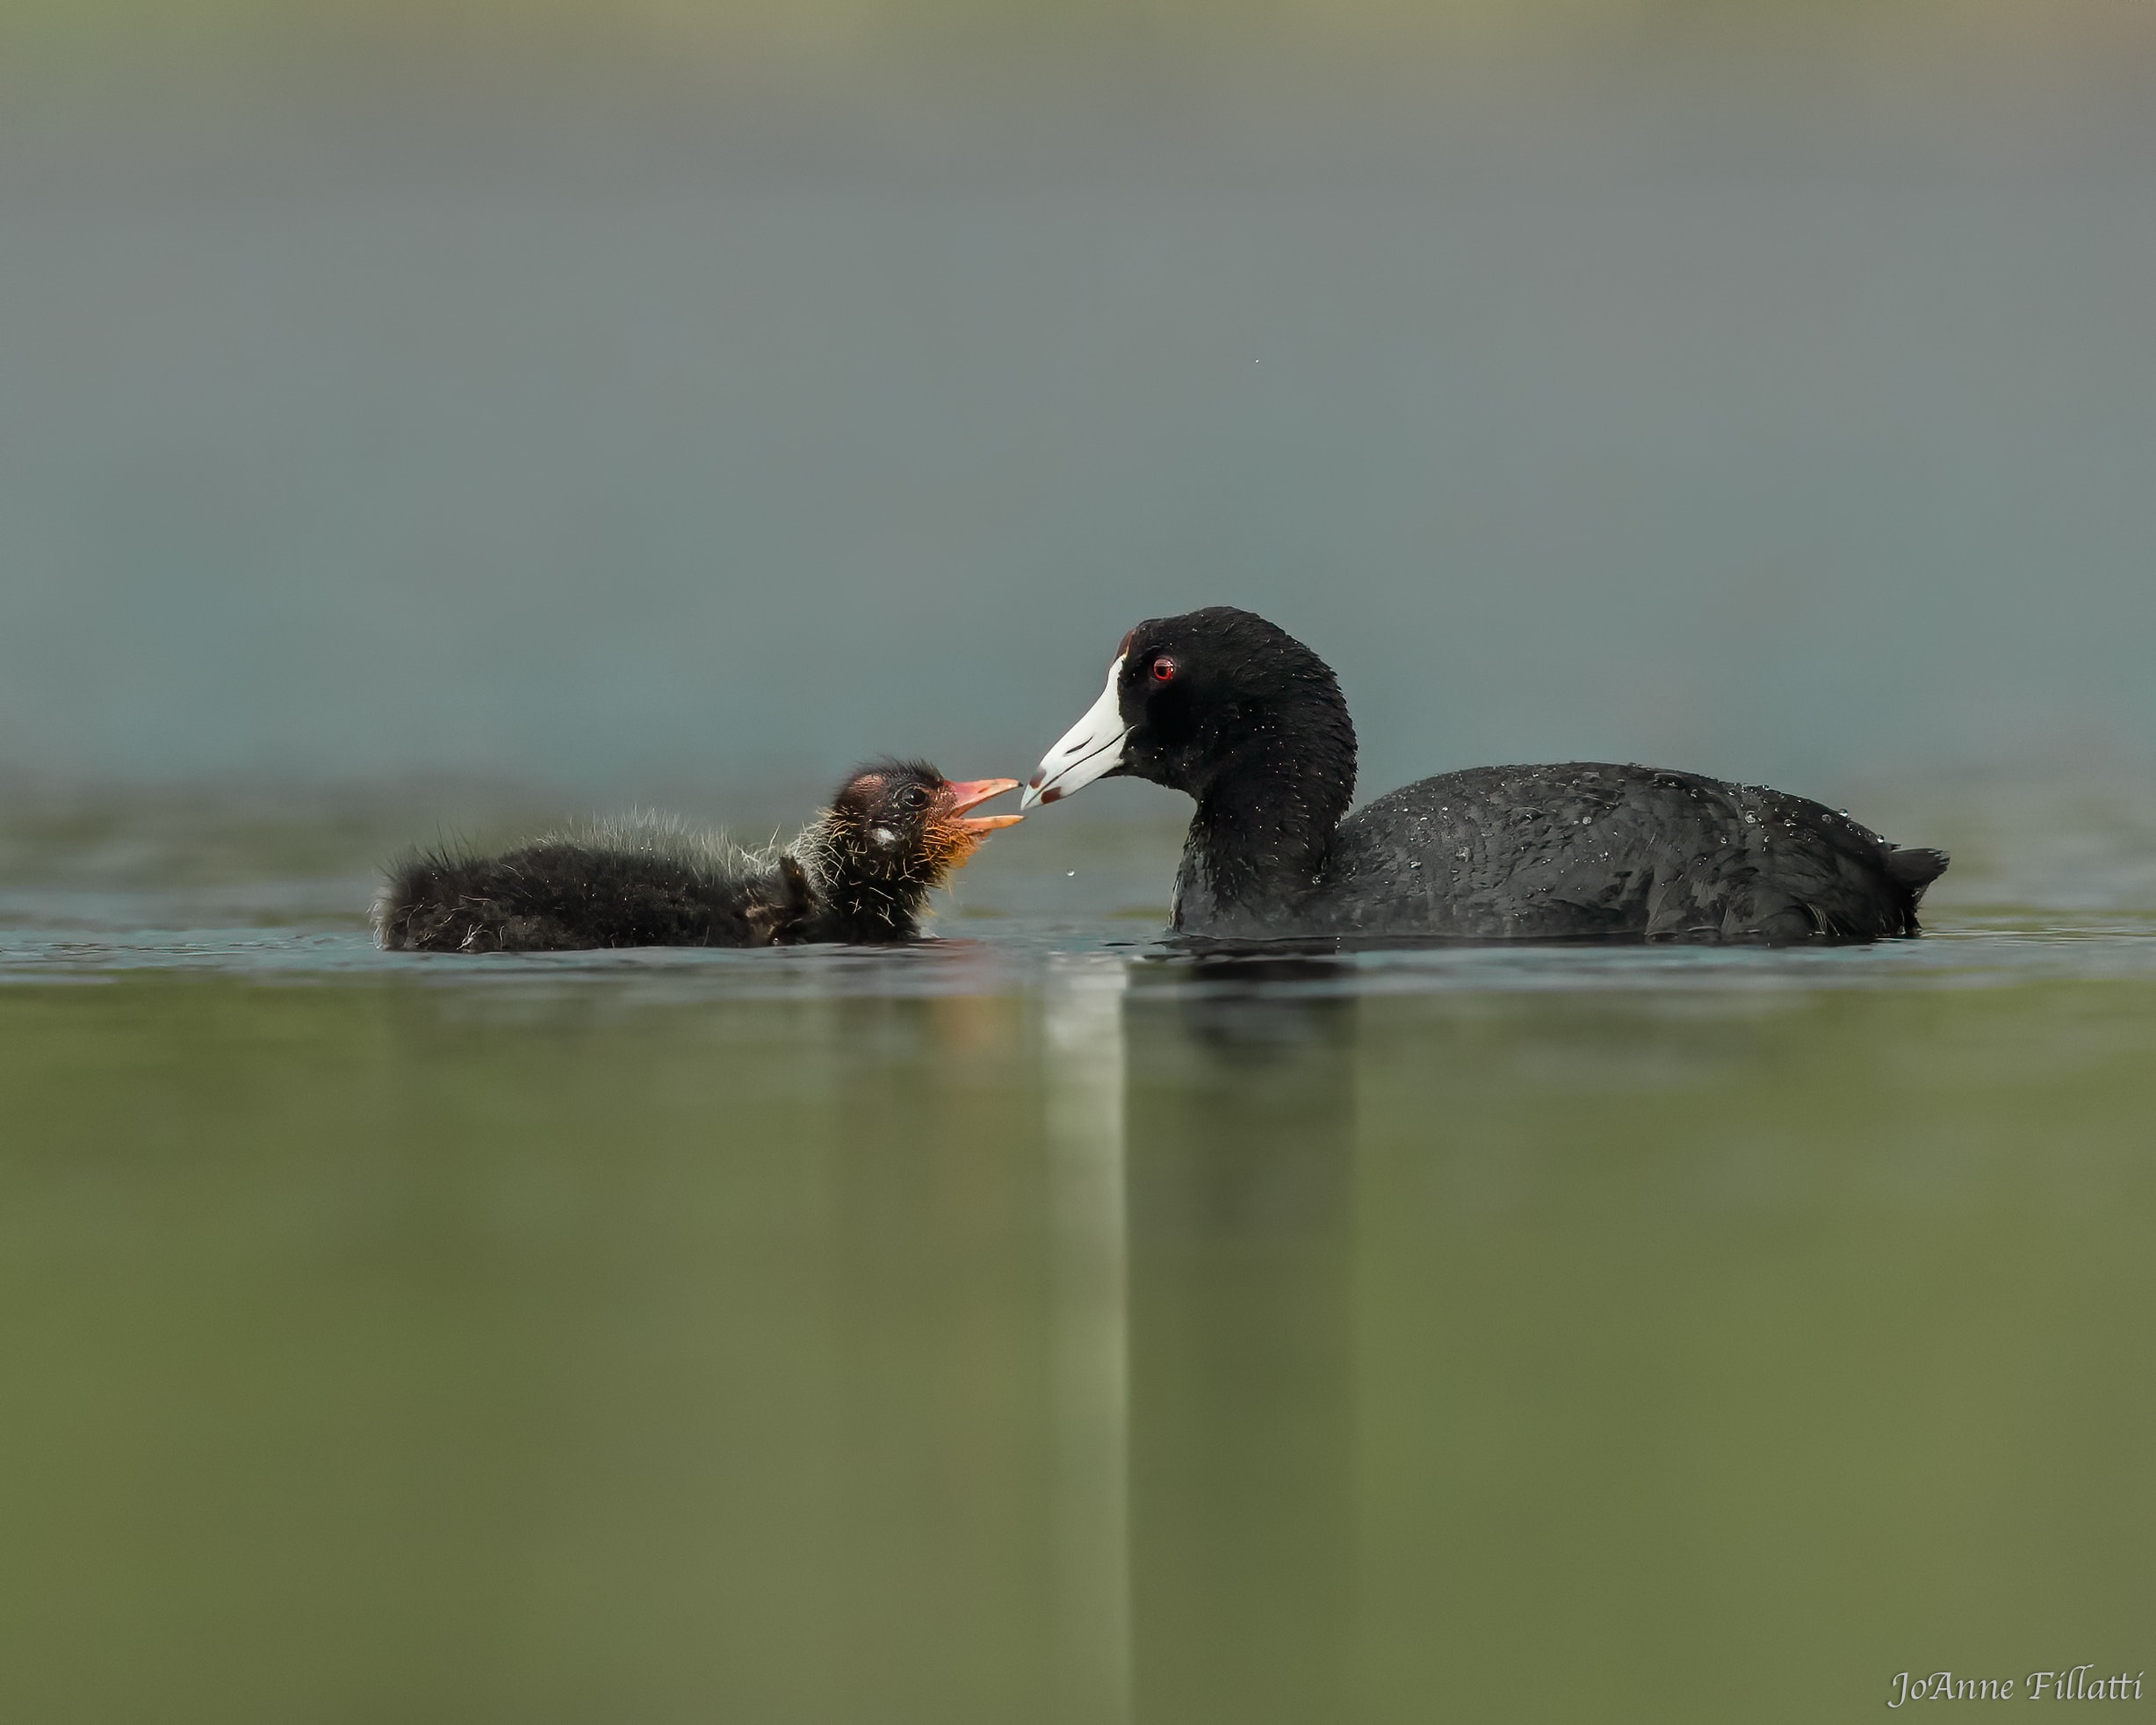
(860, 872)
(1251, 722)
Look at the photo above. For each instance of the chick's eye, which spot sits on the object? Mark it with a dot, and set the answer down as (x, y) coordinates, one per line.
(1164, 670)
(913, 796)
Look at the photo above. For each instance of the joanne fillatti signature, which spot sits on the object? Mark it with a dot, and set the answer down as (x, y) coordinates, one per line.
(2077, 1683)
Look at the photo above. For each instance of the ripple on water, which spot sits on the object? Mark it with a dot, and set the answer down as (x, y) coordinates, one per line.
(1015, 955)
(2049, 884)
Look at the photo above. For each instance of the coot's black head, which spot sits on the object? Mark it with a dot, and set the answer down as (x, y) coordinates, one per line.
(1193, 699)
(901, 823)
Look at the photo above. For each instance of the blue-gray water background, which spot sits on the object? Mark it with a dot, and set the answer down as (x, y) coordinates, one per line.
(398, 441)
(675, 431)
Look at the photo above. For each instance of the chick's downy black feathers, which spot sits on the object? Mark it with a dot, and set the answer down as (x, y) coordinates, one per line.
(860, 872)
(612, 887)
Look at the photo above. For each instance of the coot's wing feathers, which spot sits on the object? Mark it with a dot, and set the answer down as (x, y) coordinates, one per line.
(1514, 852)
(1588, 848)
(570, 895)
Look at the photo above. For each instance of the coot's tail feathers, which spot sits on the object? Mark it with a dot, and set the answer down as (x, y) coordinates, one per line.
(1913, 871)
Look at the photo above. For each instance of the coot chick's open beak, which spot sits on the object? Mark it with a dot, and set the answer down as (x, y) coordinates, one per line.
(956, 833)
(971, 793)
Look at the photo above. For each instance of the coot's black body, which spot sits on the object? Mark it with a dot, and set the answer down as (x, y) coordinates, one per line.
(1251, 722)
(1591, 849)
(860, 873)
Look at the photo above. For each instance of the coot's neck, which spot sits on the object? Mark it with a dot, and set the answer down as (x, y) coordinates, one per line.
(1264, 833)
(868, 912)
(857, 900)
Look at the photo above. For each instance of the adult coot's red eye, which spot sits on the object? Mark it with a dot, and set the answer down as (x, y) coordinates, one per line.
(1164, 670)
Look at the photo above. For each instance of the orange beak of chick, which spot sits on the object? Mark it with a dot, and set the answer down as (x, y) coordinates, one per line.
(964, 831)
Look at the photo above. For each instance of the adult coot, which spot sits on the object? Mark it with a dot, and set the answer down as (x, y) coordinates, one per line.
(861, 871)
(1251, 722)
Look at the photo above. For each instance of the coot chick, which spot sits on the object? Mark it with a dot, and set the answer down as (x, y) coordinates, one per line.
(860, 872)
(1225, 706)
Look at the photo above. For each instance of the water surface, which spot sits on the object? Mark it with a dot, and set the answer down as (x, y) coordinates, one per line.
(1040, 1324)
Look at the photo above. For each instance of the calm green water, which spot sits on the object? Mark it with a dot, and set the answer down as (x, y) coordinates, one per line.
(1040, 1326)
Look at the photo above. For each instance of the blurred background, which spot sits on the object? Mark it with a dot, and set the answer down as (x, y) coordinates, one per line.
(624, 398)
(436, 419)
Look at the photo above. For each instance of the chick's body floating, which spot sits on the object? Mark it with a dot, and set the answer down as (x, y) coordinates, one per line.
(861, 872)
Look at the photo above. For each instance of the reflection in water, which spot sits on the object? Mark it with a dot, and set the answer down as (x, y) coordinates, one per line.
(501, 1355)
(1084, 1103)
(1242, 1134)
(893, 1479)
(1225, 1103)
(1248, 1010)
